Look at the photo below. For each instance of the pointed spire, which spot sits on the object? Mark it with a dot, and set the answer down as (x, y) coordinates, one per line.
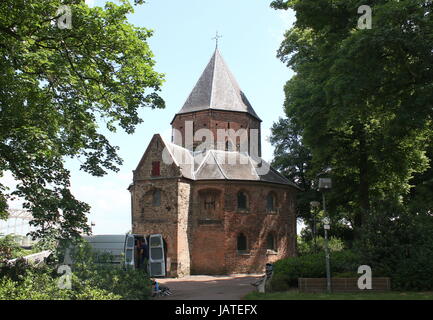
(217, 89)
(217, 36)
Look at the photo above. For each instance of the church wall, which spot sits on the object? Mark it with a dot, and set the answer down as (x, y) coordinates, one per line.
(256, 223)
(149, 217)
(214, 120)
(183, 229)
(153, 153)
(200, 221)
(207, 224)
(214, 240)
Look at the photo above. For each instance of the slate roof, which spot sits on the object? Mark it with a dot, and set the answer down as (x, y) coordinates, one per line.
(217, 89)
(223, 165)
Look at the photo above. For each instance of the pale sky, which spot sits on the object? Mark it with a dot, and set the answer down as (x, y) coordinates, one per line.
(251, 34)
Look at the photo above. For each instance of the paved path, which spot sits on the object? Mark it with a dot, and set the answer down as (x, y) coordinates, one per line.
(232, 287)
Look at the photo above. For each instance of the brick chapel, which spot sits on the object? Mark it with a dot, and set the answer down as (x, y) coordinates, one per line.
(216, 216)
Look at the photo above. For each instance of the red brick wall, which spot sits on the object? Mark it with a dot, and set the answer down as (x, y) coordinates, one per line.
(214, 120)
(148, 218)
(214, 245)
(203, 241)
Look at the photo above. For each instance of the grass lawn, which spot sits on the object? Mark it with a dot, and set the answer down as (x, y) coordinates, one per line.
(295, 295)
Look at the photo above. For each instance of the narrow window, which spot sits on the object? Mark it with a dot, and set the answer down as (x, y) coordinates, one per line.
(270, 202)
(156, 198)
(242, 243)
(155, 169)
(242, 200)
(209, 202)
(270, 242)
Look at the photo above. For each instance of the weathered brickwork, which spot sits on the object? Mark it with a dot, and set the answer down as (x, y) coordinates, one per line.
(214, 120)
(183, 245)
(256, 223)
(216, 218)
(200, 220)
(149, 217)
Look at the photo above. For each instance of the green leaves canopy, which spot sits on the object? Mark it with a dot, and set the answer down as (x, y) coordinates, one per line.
(56, 85)
(362, 99)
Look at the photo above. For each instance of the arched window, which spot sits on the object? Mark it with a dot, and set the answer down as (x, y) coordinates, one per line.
(209, 201)
(156, 198)
(270, 242)
(242, 243)
(242, 200)
(270, 202)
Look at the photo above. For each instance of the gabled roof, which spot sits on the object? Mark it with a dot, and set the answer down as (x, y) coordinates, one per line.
(223, 165)
(217, 89)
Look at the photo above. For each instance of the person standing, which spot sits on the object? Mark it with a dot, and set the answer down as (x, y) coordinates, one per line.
(144, 250)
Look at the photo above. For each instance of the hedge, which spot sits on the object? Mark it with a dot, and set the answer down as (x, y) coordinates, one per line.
(287, 271)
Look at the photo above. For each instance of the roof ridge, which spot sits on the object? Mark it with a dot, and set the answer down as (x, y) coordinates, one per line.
(252, 165)
(213, 77)
(218, 165)
(201, 163)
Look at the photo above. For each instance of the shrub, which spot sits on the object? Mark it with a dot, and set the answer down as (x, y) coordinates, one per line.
(41, 285)
(399, 244)
(90, 280)
(95, 268)
(287, 271)
(347, 274)
(9, 249)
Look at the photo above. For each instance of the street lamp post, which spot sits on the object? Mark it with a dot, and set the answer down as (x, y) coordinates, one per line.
(328, 267)
(324, 185)
(314, 206)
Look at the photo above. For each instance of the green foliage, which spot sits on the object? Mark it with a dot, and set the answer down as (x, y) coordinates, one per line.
(93, 278)
(96, 270)
(399, 244)
(347, 274)
(37, 285)
(293, 159)
(57, 86)
(308, 247)
(361, 99)
(287, 271)
(9, 249)
(360, 103)
(295, 295)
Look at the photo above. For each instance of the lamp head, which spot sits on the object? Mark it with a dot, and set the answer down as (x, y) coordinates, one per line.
(325, 184)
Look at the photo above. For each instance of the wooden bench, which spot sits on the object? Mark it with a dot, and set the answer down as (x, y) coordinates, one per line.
(318, 285)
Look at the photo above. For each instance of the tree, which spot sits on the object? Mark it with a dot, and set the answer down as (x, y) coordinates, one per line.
(293, 159)
(362, 98)
(56, 86)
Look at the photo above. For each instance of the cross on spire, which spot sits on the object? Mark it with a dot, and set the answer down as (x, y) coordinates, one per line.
(217, 36)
